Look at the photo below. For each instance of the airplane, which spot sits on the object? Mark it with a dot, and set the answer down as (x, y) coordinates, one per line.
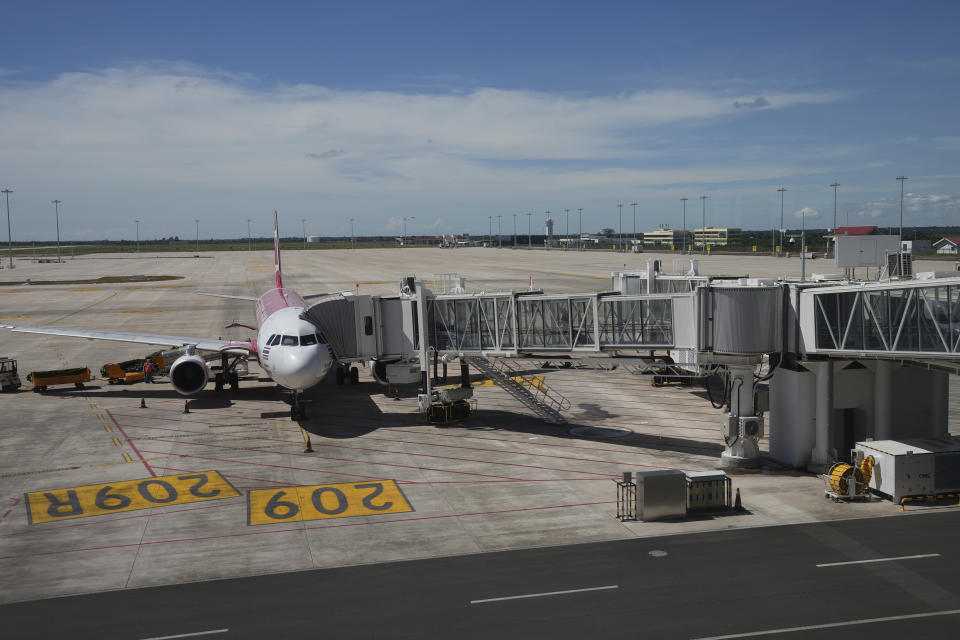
(291, 351)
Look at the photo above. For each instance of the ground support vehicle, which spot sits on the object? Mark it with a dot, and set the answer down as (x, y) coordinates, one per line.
(43, 379)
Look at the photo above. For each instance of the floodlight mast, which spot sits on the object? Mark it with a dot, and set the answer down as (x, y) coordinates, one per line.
(902, 179)
(580, 235)
(138, 235)
(835, 185)
(620, 208)
(684, 201)
(7, 193)
(703, 239)
(781, 191)
(56, 205)
(529, 232)
(634, 205)
(249, 237)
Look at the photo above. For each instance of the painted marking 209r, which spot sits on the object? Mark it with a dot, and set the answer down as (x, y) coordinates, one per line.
(292, 504)
(126, 495)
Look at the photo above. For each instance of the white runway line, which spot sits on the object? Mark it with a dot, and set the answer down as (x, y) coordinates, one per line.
(770, 632)
(189, 635)
(841, 564)
(548, 593)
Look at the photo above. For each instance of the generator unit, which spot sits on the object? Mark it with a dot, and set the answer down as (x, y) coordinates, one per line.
(913, 467)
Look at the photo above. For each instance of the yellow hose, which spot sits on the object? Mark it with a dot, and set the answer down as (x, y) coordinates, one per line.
(866, 470)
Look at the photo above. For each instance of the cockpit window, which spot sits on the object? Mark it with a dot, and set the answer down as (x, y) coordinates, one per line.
(274, 340)
(307, 340)
(289, 341)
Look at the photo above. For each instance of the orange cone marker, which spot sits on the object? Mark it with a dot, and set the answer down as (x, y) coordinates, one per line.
(143, 403)
(736, 503)
(186, 406)
(309, 448)
(396, 393)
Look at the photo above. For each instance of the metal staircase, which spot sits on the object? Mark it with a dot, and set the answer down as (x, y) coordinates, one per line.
(529, 390)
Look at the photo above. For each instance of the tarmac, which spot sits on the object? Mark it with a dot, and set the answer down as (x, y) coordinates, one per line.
(499, 480)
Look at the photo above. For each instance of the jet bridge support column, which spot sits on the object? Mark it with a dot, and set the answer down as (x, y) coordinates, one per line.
(823, 455)
(742, 428)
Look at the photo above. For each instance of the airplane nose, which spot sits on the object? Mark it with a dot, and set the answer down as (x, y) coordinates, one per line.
(303, 368)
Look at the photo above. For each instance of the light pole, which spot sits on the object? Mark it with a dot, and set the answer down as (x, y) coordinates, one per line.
(684, 202)
(56, 206)
(403, 240)
(803, 244)
(835, 185)
(529, 234)
(514, 231)
(353, 240)
(580, 233)
(901, 179)
(499, 236)
(303, 221)
(634, 205)
(249, 237)
(7, 193)
(703, 239)
(547, 217)
(620, 208)
(490, 230)
(781, 190)
(197, 222)
(138, 235)
(566, 216)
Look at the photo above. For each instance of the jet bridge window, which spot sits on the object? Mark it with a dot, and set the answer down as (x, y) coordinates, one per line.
(307, 340)
(289, 341)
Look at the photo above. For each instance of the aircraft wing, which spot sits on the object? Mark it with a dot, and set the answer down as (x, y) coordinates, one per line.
(206, 344)
(225, 295)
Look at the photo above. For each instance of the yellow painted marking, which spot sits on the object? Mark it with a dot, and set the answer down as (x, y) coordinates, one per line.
(86, 289)
(142, 312)
(116, 441)
(110, 464)
(527, 381)
(126, 457)
(12, 291)
(100, 415)
(107, 427)
(372, 283)
(126, 495)
(12, 318)
(295, 504)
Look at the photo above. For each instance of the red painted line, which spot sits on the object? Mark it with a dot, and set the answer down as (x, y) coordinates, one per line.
(319, 457)
(132, 446)
(5, 515)
(301, 529)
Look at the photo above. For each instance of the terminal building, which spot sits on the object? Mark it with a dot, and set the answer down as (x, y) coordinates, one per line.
(665, 237)
(716, 236)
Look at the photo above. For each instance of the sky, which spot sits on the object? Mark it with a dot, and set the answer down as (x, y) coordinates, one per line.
(450, 112)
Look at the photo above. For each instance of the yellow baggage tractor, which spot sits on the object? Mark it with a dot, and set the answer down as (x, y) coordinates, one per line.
(9, 379)
(43, 379)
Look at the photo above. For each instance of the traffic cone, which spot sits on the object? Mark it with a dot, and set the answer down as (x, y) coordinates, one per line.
(309, 448)
(143, 403)
(396, 393)
(736, 503)
(186, 406)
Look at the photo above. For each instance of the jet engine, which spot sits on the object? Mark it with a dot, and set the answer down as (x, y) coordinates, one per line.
(189, 374)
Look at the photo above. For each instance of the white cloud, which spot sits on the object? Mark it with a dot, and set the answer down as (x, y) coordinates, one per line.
(167, 141)
(806, 212)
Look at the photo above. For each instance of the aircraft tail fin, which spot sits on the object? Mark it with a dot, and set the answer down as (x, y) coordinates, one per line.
(276, 251)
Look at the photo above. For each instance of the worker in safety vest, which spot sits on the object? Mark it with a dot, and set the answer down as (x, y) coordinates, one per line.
(148, 371)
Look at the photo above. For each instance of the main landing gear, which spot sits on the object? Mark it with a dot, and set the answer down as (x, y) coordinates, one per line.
(227, 375)
(345, 372)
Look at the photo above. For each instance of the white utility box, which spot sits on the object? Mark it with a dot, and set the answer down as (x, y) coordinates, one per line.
(914, 467)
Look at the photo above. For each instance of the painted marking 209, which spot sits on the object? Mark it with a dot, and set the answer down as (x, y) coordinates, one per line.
(126, 495)
(292, 504)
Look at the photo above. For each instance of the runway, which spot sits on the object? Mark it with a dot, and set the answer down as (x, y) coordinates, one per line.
(900, 576)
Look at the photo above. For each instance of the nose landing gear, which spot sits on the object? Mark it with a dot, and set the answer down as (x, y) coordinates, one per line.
(298, 409)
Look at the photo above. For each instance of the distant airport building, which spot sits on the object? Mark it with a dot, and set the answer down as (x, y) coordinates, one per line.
(716, 236)
(313, 239)
(947, 246)
(863, 230)
(917, 247)
(665, 237)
